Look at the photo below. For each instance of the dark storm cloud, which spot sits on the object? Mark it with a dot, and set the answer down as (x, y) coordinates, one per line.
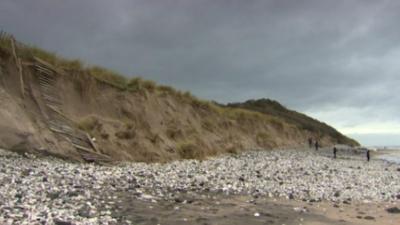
(312, 55)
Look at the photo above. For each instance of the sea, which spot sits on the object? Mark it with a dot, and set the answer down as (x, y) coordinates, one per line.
(388, 153)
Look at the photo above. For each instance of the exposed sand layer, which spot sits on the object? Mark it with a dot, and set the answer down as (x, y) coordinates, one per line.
(277, 187)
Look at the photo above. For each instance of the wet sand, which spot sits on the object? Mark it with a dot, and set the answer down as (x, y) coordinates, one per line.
(238, 209)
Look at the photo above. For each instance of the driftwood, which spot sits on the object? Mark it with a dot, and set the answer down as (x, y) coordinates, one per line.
(91, 142)
(74, 140)
(62, 115)
(54, 129)
(96, 157)
(64, 128)
(82, 148)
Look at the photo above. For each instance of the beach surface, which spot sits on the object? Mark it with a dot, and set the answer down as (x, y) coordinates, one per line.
(260, 187)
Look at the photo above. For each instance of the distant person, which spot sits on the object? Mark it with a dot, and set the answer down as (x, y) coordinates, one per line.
(310, 142)
(316, 145)
(334, 152)
(368, 156)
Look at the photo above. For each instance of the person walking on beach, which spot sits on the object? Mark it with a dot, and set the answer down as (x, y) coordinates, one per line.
(316, 145)
(334, 152)
(368, 156)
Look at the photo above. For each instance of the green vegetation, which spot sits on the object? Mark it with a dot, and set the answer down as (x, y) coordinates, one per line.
(189, 150)
(138, 84)
(277, 123)
(125, 134)
(232, 150)
(28, 52)
(128, 132)
(243, 115)
(108, 76)
(208, 125)
(149, 85)
(264, 139)
(52, 58)
(274, 108)
(135, 84)
(174, 133)
(5, 45)
(167, 89)
(88, 124)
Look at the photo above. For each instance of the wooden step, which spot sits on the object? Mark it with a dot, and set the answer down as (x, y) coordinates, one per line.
(43, 68)
(43, 71)
(46, 81)
(49, 76)
(44, 64)
(46, 74)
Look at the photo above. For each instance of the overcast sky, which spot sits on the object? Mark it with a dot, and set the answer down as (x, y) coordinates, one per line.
(338, 61)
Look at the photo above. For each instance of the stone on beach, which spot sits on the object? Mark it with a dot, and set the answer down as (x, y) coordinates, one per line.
(393, 210)
(55, 191)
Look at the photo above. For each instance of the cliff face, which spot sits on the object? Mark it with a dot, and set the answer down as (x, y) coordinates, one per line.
(82, 114)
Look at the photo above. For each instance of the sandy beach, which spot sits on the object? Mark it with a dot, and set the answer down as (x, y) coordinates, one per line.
(271, 187)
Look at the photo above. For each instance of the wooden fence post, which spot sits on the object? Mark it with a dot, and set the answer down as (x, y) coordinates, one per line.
(19, 66)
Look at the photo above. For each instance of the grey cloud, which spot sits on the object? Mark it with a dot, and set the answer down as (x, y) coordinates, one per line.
(308, 54)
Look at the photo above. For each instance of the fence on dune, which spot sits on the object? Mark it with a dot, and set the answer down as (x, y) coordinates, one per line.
(50, 107)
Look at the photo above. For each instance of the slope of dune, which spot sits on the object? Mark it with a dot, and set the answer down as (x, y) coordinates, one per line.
(54, 106)
(300, 120)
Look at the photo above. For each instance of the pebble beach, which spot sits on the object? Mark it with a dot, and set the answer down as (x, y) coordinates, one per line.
(51, 191)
